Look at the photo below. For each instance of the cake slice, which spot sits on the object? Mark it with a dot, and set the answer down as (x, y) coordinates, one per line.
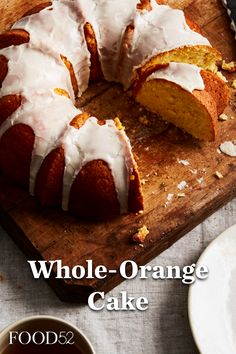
(203, 56)
(161, 36)
(186, 96)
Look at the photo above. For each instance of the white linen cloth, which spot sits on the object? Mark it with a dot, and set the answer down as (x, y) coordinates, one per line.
(162, 329)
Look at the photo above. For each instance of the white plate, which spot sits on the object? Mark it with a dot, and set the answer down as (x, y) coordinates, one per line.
(212, 302)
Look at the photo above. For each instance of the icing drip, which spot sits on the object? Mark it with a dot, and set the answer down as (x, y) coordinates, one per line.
(49, 116)
(185, 75)
(33, 72)
(155, 32)
(109, 19)
(57, 30)
(115, 150)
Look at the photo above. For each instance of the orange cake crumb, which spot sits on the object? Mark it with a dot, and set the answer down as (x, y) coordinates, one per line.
(141, 234)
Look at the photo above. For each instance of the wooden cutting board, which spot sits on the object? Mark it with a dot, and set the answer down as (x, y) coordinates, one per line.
(50, 234)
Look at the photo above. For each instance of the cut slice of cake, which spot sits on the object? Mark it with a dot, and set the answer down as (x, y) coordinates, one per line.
(186, 96)
(161, 36)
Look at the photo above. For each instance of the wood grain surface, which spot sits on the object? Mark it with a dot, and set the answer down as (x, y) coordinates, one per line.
(51, 234)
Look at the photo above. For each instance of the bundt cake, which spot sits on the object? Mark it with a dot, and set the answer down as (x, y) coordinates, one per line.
(65, 156)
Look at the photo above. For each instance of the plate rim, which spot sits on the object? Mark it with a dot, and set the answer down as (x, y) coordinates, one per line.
(190, 291)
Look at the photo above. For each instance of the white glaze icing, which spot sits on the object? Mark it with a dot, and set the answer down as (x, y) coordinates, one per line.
(57, 31)
(115, 150)
(49, 116)
(109, 19)
(228, 148)
(33, 72)
(185, 75)
(155, 32)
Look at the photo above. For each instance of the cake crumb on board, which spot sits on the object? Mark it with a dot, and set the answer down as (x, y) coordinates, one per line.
(230, 67)
(223, 117)
(218, 175)
(144, 181)
(200, 180)
(141, 234)
(234, 84)
(181, 195)
(182, 185)
(228, 148)
(169, 199)
(193, 171)
(183, 162)
(221, 76)
(144, 120)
